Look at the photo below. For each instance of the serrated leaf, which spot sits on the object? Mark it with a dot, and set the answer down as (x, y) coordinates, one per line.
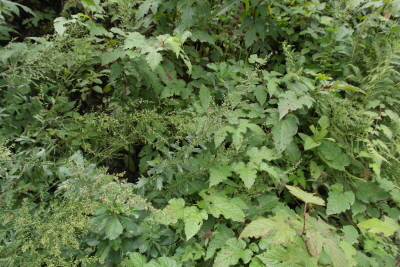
(288, 101)
(350, 234)
(205, 97)
(387, 227)
(135, 40)
(339, 202)
(59, 25)
(333, 155)
(315, 241)
(273, 256)
(202, 36)
(306, 197)
(250, 37)
(309, 142)
(219, 174)
(228, 210)
(315, 170)
(108, 57)
(153, 58)
(135, 260)
(188, 16)
(248, 173)
(257, 155)
(386, 130)
(173, 212)
(221, 134)
(231, 253)
(193, 219)
(264, 227)
(283, 132)
(113, 228)
(336, 253)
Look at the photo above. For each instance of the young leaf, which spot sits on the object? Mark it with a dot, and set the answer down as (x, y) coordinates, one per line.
(283, 131)
(306, 197)
(135, 260)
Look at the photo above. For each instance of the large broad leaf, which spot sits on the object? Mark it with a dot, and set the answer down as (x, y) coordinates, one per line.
(283, 131)
(257, 155)
(218, 174)
(306, 197)
(289, 102)
(231, 253)
(135, 260)
(387, 227)
(193, 220)
(173, 212)
(264, 227)
(333, 155)
(113, 228)
(247, 172)
(339, 201)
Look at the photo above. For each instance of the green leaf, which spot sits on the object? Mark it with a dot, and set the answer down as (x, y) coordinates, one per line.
(315, 170)
(173, 212)
(306, 197)
(309, 142)
(333, 155)
(350, 234)
(264, 227)
(193, 219)
(339, 201)
(113, 228)
(288, 102)
(89, 2)
(257, 155)
(227, 209)
(202, 36)
(153, 58)
(59, 25)
(205, 97)
(250, 37)
(231, 253)
(135, 260)
(283, 132)
(248, 173)
(374, 225)
(108, 57)
(219, 174)
(135, 40)
(336, 253)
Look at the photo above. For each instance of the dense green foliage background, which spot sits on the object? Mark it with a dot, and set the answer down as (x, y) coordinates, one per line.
(199, 133)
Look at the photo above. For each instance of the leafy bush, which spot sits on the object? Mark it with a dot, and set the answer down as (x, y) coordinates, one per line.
(179, 133)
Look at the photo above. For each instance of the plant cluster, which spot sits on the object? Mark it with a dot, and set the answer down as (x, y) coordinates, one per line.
(202, 133)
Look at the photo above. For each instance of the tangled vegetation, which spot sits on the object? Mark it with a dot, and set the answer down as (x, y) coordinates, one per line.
(200, 133)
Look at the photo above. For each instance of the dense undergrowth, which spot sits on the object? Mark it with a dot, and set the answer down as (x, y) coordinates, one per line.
(201, 133)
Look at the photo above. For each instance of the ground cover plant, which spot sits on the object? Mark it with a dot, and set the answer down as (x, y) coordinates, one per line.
(200, 133)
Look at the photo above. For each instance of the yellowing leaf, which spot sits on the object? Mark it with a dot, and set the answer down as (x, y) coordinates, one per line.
(306, 197)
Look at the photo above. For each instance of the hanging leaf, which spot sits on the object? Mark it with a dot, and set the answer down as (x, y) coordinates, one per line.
(306, 197)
